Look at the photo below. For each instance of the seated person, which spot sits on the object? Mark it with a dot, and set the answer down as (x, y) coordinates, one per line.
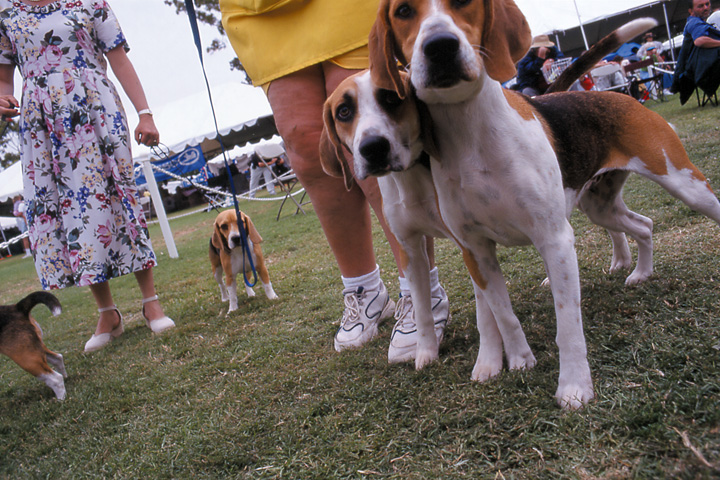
(607, 82)
(714, 19)
(699, 60)
(530, 78)
(650, 47)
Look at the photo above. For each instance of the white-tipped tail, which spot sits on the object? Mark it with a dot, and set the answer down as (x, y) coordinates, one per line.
(634, 28)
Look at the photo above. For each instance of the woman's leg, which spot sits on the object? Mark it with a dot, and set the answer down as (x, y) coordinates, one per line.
(297, 102)
(153, 310)
(103, 298)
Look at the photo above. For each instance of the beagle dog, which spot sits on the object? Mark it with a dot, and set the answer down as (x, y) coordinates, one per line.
(509, 169)
(228, 259)
(21, 340)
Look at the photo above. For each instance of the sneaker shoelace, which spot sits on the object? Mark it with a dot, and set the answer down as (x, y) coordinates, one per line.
(403, 312)
(352, 306)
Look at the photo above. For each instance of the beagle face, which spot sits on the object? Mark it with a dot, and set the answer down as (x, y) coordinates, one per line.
(450, 46)
(225, 231)
(382, 130)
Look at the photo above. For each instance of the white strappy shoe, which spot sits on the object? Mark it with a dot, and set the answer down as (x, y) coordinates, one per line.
(97, 342)
(158, 325)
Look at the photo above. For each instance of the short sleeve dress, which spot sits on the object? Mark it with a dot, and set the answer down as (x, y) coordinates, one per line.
(84, 220)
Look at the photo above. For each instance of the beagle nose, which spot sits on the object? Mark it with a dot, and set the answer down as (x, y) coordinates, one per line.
(441, 47)
(235, 239)
(375, 149)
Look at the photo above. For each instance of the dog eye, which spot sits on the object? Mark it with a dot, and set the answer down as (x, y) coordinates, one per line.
(404, 11)
(389, 99)
(223, 227)
(343, 112)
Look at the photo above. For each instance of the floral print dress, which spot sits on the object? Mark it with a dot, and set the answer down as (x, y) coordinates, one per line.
(84, 221)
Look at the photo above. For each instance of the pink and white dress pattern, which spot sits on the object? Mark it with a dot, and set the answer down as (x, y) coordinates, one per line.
(85, 223)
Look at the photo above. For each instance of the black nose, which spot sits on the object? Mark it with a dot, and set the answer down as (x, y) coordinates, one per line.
(441, 47)
(235, 239)
(375, 149)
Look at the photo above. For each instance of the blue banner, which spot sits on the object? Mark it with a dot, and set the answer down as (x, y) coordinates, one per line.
(189, 160)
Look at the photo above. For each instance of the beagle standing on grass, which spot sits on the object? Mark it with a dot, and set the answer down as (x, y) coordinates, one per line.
(228, 258)
(21, 340)
(498, 172)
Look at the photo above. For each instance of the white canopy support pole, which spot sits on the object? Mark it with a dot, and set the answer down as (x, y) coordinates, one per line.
(582, 27)
(670, 37)
(159, 209)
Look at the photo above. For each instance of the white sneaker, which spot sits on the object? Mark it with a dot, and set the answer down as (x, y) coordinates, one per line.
(364, 310)
(403, 341)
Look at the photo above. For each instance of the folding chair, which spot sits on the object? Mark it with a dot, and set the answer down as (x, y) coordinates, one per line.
(645, 73)
(610, 77)
(287, 182)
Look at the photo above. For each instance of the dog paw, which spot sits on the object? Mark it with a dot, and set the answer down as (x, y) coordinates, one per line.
(524, 361)
(482, 372)
(637, 277)
(424, 358)
(574, 396)
(272, 296)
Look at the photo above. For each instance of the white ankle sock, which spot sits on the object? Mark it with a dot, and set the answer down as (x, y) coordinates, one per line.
(369, 281)
(435, 288)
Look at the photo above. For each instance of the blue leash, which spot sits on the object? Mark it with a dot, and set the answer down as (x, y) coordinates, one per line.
(241, 227)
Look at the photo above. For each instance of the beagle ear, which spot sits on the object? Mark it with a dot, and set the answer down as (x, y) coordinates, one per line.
(427, 129)
(332, 157)
(383, 54)
(506, 38)
(252, 232)
(218, 239)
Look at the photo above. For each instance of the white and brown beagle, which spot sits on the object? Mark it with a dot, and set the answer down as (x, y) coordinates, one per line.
(509, 169)
(21, 340)
(228, 258)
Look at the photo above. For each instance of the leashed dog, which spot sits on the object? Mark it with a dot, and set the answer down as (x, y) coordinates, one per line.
(228, 258)
(21, 340)
(497, 172)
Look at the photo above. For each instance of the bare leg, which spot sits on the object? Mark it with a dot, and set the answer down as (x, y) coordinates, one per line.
(103, 298)
(153, 310)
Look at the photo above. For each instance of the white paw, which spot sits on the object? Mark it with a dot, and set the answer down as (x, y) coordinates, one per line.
(521, 362)
(483, 372)
(637, 277)
(424, 358)
(574, 396)
(271, 295)
(619, 265)
(250, 292)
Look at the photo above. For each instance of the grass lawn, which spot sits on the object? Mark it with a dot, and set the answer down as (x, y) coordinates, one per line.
(262, 394)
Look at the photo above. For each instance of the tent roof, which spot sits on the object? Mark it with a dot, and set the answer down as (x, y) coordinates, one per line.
(571, 40)
(243, 115)
(11, 181)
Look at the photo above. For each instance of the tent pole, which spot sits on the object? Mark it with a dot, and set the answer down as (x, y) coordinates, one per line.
(582, 28)
(159, 208)
(670, 37)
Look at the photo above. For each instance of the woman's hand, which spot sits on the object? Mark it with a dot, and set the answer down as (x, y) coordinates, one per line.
(8, 107)
(146, 131)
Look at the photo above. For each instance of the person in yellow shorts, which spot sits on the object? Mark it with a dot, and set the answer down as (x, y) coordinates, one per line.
(299, 51)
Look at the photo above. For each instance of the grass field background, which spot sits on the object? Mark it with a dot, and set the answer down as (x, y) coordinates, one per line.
(261, 393)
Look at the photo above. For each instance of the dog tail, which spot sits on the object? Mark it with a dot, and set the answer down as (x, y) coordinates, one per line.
(607, 45)
(48, 299)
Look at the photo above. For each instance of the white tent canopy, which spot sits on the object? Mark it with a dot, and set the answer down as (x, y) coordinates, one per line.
(189, 121)
(11, 182)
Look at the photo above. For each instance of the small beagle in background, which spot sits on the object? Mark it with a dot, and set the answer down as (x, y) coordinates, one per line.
(228, 258)
(21, 340)
(509, 169)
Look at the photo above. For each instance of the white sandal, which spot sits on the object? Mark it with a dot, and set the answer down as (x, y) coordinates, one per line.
(158, 325)
(97, 342)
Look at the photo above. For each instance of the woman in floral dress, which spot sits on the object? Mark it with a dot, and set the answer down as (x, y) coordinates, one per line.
(84, 220)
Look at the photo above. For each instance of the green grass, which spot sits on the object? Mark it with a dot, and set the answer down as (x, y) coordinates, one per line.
(261, 393)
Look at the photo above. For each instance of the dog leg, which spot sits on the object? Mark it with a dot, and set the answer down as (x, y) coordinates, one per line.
(263, 272)
(250, 292)
(621, 258)
(232, 296)
(55, 381)
(417, 272)
(56, 360)
(575, 384)
(219, 274)
(490, 354)
(486, 274)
